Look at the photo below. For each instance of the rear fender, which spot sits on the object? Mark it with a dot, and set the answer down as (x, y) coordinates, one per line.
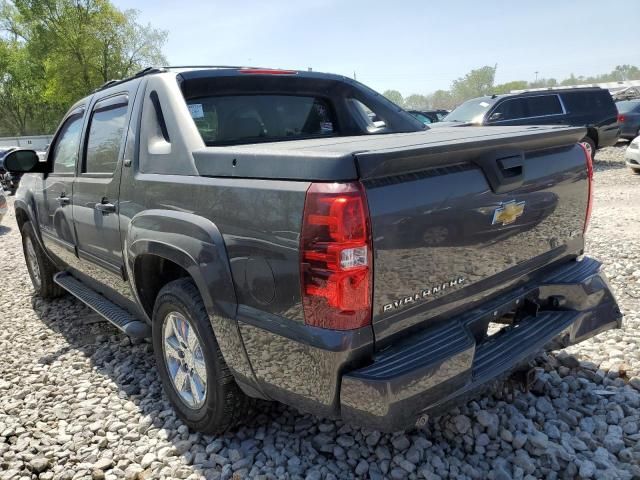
(195, 244)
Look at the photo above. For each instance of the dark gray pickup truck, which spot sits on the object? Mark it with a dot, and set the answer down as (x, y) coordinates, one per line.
(277, 243)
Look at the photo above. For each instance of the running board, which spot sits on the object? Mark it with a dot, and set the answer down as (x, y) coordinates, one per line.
(105, 307)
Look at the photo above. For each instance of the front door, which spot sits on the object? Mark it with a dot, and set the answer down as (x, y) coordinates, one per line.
(95, 194)
(55, 206)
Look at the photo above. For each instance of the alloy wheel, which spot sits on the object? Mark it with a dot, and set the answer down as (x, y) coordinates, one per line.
(184, 359)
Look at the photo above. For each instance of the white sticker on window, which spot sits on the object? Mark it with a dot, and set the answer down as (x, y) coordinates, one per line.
(195, 109)
(482, 104)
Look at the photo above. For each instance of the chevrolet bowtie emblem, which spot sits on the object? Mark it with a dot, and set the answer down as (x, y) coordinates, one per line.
(508, 212)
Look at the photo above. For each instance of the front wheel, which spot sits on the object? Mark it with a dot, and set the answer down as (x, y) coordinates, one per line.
(194, 374)
(589, 145)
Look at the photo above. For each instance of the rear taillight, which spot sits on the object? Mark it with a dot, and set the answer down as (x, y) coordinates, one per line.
(589, 161)
(621, 118)
(335, 257)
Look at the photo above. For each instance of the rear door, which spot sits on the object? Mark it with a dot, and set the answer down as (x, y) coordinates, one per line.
(54, 205)
(95, 196)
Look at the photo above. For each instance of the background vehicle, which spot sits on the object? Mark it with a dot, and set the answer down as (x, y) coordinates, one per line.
(588, 107)
(276, 244)
(632, 155)
(8, 181)
(3, 204)
(429, 116)
(629, 118)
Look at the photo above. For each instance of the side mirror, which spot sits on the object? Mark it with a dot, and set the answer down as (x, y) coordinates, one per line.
(495, 117)
(23, 161)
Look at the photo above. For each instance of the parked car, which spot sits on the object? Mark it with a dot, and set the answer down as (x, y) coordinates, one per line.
(429, 116)
(629, 118)
(632, 155)
(8, 181)
(3, 204)
(588, 107)
(258, 227)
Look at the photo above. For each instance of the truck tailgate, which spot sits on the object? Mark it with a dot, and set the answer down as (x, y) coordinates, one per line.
(463, 218)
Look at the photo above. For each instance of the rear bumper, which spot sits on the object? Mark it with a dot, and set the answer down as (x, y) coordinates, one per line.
(444, 365)
(608, 136)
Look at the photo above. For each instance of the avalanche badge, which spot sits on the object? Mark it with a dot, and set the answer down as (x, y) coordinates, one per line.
(508, 212)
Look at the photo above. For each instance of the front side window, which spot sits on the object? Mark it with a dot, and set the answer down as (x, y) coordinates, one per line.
(509, 110)
(65, 150)
(236, 119)
(105, 135)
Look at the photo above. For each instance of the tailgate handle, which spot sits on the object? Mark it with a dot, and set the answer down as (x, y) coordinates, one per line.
(504, 170)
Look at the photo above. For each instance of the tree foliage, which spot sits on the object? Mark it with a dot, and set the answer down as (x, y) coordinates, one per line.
(395, 96)
(57, 51)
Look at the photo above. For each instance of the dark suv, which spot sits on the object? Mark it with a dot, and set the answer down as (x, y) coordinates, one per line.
(581, 107)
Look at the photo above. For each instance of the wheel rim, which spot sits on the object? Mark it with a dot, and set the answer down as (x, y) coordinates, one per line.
(32, 262)
(184, 359)
(587, 147)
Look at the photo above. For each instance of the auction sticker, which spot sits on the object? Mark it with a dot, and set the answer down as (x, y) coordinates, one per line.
(195, 109)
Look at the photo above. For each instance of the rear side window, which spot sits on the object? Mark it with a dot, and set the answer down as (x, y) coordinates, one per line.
(65, 150)
(543, 105)
(589, 102)
(227, 120)
(105, 135)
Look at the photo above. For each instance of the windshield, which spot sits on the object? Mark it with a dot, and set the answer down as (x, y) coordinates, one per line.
(627, 106)
(470, 111)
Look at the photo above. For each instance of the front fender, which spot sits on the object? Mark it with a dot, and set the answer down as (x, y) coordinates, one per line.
(195, 244)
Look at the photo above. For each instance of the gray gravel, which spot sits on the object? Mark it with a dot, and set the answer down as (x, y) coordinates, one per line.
(79, 400)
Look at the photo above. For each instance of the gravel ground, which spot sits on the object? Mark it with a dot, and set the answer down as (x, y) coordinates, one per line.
(80, 400)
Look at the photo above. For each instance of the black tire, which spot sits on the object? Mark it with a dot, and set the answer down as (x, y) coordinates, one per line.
(225, 405)
(43, 283)
(592, 145)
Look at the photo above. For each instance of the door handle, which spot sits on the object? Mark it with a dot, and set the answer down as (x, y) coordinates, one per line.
(63, 199)
(105, 207)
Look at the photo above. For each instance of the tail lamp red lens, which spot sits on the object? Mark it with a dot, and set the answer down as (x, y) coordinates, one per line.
(589, 161)
(621, 118)
(335, 251)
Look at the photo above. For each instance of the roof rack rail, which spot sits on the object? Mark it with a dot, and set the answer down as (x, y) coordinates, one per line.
(141, 73)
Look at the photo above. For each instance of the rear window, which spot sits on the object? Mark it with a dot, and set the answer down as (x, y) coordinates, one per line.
(628, 106)
(226, 120)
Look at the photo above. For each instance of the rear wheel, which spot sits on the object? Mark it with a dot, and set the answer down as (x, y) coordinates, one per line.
(40, 268)
(589, 145)
(194, 374)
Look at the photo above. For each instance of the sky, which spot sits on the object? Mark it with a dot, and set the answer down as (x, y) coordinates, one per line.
(414, 46)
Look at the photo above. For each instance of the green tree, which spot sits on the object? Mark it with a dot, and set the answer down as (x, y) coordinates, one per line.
(476, 83)
(442, 99)
(22, 87)
(78, 45)
(416, 102)
(509, 86)
(395, 96)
